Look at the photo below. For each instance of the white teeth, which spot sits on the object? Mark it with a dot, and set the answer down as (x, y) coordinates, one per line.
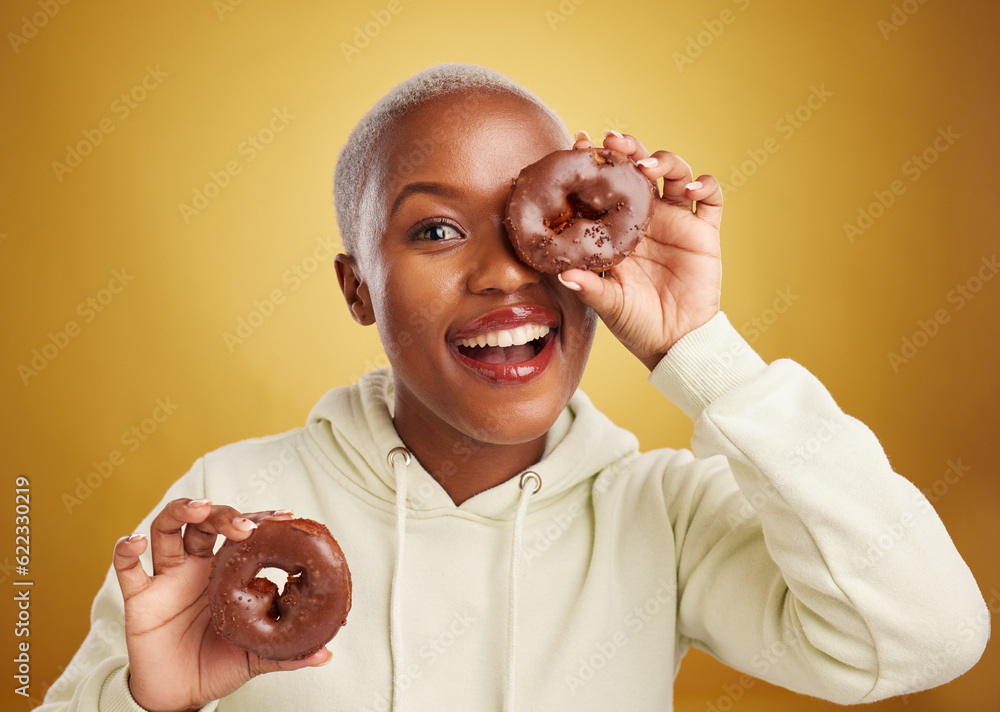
(507, 337)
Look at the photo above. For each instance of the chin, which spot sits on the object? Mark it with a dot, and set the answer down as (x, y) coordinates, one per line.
(516, 422)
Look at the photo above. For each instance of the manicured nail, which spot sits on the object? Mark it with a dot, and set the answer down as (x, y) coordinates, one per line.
(570, 285)
(582, 136)
(244, 525)
(693, 185)
(134, 538)
(197, 503)
(280, 512)
(612, 132)
(647, 162)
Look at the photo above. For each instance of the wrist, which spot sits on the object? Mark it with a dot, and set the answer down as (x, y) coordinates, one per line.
(153, 708)
(704, 364)
(651, 360)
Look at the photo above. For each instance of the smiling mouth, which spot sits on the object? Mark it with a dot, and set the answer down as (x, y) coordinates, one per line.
(507, 346)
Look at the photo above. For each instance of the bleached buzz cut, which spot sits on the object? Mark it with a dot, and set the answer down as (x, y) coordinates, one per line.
(359, 150)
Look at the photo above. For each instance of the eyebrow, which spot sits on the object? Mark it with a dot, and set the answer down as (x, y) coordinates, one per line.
(422, 187)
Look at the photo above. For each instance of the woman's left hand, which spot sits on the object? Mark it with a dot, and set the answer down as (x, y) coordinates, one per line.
(671, 283)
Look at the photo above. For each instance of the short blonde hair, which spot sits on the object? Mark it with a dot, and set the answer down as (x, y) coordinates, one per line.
(359, 149)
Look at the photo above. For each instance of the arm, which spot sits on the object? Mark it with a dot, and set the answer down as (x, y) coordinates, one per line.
(826, 573)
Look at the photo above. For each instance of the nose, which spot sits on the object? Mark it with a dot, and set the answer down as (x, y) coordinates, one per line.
(497, 267)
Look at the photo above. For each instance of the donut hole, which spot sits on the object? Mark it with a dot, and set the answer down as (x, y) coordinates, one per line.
(576, 209)
(274, 588)
(279, 577)
(583, 209)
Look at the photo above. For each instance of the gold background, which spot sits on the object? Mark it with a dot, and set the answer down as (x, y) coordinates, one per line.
(711, 81)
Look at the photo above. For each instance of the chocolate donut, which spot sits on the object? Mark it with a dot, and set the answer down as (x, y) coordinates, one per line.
(586, 208)
(249, 612)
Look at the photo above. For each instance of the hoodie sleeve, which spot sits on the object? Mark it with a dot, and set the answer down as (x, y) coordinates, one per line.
(803, 558)
(96, 679)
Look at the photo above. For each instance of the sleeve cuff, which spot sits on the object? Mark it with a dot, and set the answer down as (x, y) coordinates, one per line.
(117, 697)
(704, 364)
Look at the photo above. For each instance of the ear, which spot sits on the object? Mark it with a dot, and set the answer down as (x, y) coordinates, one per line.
(355, 290)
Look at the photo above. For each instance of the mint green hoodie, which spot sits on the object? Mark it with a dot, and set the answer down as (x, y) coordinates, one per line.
(784, 545)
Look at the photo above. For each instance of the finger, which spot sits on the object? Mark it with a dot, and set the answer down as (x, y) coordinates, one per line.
(626, 144)
(199, 539)
(707, 191)
(132, 578)
(675, 172)
(229, 522)
(582, 140)
(596, 292)
(279, 514)
(198, 542)
(259, 666)
(165, 531)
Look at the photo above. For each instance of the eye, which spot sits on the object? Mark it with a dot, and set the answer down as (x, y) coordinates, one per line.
(435, 230)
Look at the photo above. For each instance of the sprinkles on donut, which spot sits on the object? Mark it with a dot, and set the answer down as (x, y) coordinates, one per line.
(583, 208)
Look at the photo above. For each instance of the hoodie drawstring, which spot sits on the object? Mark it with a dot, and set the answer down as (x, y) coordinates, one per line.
(530, 483)
(398, 465)
(515, 572)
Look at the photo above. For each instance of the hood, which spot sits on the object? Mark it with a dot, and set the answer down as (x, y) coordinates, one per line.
(352, 427)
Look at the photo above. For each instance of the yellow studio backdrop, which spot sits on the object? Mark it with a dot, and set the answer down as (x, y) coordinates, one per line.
(167, 228)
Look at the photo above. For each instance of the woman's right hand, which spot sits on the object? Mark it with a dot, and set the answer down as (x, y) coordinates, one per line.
(177, 660)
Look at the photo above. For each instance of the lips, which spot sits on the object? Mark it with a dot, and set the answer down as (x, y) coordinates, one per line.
(508, 346)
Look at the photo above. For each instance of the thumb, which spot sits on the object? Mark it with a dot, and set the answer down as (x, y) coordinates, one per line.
(603, 295)
(317, 659)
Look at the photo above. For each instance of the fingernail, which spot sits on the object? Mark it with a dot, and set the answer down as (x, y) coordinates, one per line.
(570, 285)
(244, 525)
(197, 503)
(329, 658)
(280, 512)
(135, 537)
(693, 185)
(647, 162)
(582, 136)
(612, 132)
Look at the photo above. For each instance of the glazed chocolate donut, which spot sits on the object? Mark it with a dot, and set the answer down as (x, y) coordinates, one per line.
(586, 208)
(249, 612)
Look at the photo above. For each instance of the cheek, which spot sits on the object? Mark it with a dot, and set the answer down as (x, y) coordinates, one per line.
(578, 340)
(413, 309)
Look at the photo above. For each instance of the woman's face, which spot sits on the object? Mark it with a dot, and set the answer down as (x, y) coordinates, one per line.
(440, 276)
